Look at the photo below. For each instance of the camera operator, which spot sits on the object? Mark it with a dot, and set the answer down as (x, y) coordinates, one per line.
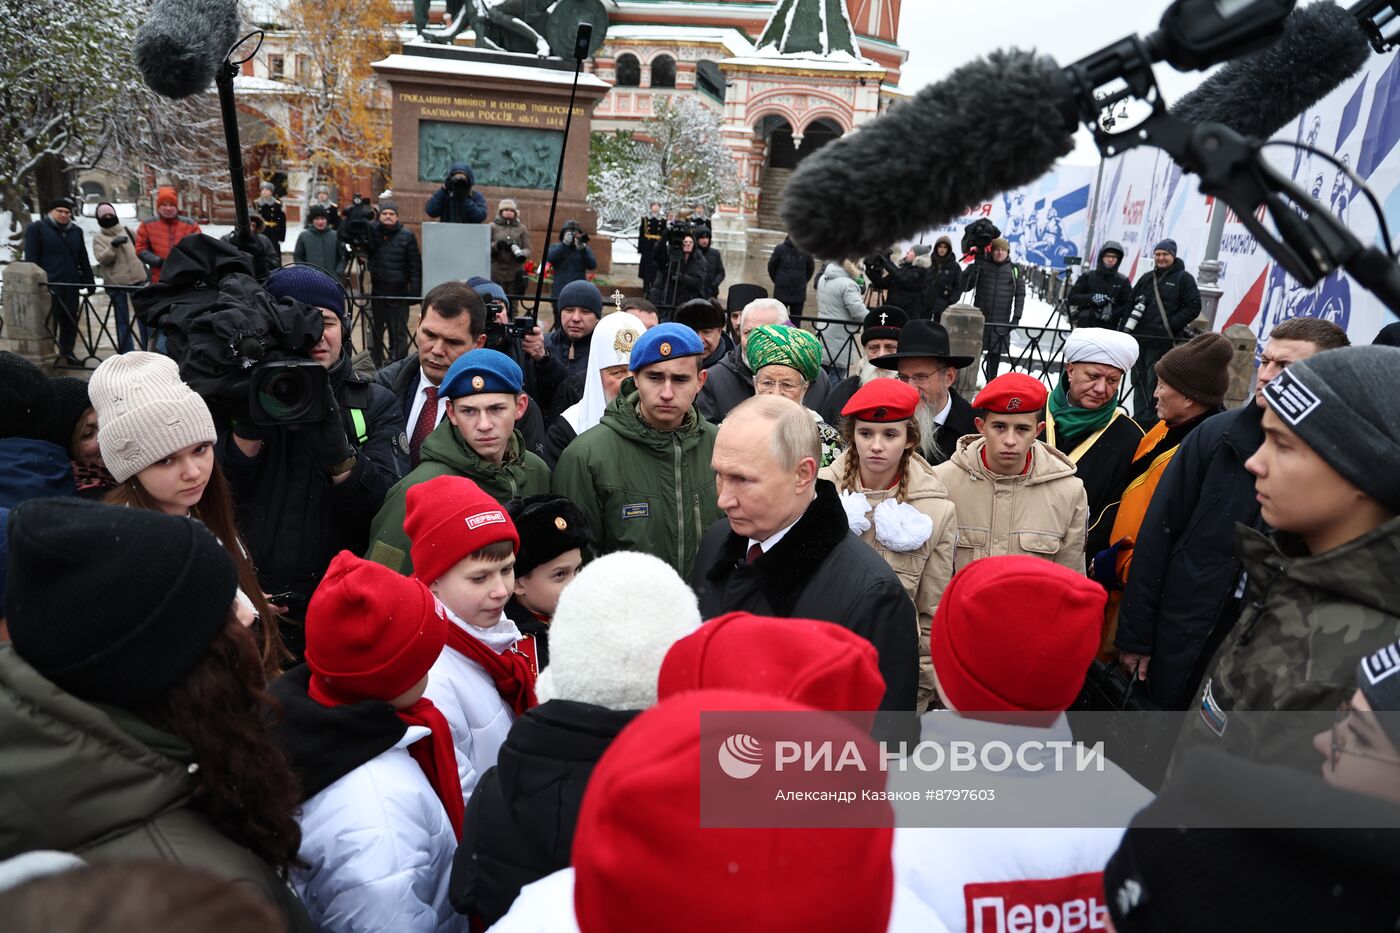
(305, 493)
(681, 269)
(571, 257)
(359, 220)
(455, 202)
(906, 284)
(395, 268)
(1000, 296)
(522, 340)
(1164, 302)
(510, 247)
(1101, 298)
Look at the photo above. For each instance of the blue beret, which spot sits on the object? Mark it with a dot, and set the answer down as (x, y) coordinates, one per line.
(580, 294)
(665, 342)
(480, 371)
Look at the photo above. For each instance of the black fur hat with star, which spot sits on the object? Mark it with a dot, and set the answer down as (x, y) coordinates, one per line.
(548, 526)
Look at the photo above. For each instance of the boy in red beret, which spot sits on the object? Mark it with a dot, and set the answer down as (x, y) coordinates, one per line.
(1013, 493)
(463, 550)
(382, 806)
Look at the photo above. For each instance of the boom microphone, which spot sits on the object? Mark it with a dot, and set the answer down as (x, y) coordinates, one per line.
(992, 125)
(1322, 46)
(182, 43)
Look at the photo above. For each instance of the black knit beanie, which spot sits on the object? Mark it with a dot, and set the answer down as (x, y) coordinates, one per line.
(548, 526)
(113, 604)
(26, 398)
(70, 401)
(1200, 368)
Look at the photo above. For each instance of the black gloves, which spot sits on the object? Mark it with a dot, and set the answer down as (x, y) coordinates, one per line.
(325, 441)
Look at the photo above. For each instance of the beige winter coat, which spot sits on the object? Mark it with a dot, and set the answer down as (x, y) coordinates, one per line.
(1042, 513)
(118, 264)
(924, 568)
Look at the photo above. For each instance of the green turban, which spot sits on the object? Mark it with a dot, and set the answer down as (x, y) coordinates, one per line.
(778, 344)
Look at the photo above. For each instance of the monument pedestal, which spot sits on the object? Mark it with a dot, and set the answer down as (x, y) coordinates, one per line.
(503, 114)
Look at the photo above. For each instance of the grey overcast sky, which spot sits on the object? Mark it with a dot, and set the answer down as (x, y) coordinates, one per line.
(943, 34)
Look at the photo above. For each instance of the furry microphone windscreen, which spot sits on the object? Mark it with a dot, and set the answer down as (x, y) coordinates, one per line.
(1322, 45)
(182, 43)
(990, 126)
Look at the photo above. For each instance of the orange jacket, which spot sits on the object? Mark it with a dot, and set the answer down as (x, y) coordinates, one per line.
(155, 238)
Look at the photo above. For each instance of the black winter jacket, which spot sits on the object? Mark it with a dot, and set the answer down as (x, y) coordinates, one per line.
(452, 208)
(944, 281)
(730, 382)
(819, 570)
(293, 518)
(791, 270)
(395, 265)
(59, 251)
(1001, 290)
(1110, 283)
(715, 262)
(1181, 301)
(1185, 568)
(688, 282)
(906, 285)
(520, 820)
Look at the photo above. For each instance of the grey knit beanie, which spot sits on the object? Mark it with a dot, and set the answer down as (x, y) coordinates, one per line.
(1345, 405)
(144, 412)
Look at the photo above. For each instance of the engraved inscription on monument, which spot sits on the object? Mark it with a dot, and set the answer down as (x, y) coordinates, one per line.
(501, 156)
(491, 110)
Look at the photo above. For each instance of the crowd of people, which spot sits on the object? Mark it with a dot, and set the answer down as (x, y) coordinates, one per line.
(436, 658)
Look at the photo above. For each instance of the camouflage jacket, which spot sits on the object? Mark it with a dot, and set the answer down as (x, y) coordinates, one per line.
(1307, 622)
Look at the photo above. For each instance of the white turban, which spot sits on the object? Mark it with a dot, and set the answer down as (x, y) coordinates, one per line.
(1100, 345)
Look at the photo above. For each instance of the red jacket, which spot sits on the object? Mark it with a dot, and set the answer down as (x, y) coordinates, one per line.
(156, 237)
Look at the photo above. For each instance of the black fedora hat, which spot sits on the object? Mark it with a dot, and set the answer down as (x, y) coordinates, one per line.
(923, 339)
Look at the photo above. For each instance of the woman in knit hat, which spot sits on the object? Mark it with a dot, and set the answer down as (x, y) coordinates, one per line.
(895, 503)
(74, 428)
(786, 361)
(132, 704)
(157, 441)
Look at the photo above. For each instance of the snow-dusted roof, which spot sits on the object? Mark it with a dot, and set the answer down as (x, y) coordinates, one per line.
(836, 62)
(479, 69)
(733, 41)
(250, 84)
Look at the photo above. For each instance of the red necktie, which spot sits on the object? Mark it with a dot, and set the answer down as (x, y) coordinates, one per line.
(755, 552)
(427, 420)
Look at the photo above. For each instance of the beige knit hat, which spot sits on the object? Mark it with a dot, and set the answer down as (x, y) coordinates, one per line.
(144, 412)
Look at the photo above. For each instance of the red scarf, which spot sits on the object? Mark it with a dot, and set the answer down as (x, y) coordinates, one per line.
(436, 754)
(511, 670)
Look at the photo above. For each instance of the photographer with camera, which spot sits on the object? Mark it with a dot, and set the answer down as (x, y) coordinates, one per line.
(1101, 298)
(571, 257)
(906, 284)
(510, 247)
(395, 268)
(308, 491)
(1165, 301)
(1000, 294)
(455, 202)
(522, 340)
(681, 269)
(319, 245)
(359, 221)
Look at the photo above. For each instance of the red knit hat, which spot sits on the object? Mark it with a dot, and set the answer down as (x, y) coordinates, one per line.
(819, 664)
(449, 518)
(1012, 394)
(642, 862)
(990, 657)
(370, 633)
(881, 401)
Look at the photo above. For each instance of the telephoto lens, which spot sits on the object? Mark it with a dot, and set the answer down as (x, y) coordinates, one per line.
(288, 392)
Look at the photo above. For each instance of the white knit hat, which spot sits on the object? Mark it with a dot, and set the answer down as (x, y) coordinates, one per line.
(612, 629)
(144, 412)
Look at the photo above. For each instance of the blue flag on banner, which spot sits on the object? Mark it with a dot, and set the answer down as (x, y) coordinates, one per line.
(1350, 114)
(1383, 129)
(1072, 203)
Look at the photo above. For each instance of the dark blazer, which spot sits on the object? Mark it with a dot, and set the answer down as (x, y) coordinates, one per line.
(819, 570)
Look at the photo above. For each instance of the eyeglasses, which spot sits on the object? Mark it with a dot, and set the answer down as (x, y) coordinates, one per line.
(1339, 747)
(919, 378)
(768, 385)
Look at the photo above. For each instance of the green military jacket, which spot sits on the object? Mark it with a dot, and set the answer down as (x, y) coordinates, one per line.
(643, 489)
(1308, 620)
(444, 453)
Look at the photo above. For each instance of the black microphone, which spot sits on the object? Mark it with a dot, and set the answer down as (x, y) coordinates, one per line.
(1322, 46)
(182, 43)
(1000, 123)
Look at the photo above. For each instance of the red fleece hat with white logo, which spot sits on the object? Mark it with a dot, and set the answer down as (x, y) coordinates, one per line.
(819, 664)
(448, 518)
(1015, 634)
(643, 863)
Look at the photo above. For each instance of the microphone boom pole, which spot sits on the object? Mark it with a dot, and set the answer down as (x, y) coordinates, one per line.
(223, 79)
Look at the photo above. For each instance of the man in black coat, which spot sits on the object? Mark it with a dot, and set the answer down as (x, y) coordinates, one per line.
(55, 244)
(906, 284)
(713, 260)
(944, 279)
(306, 494)
(925, 361)
(649, 235)
(1101, 298)
(1183, 591)
(1170, 301)
(270, 209)
(1000, 294)
(791, 270)
(785, 548)
(396, 268)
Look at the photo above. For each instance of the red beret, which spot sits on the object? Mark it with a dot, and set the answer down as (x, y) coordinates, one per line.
(1012, 394)
(882, 400)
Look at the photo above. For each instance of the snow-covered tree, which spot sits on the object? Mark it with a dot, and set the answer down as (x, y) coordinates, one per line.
(675, 157)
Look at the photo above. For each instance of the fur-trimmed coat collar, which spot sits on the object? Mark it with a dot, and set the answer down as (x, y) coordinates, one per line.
(784, 572)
